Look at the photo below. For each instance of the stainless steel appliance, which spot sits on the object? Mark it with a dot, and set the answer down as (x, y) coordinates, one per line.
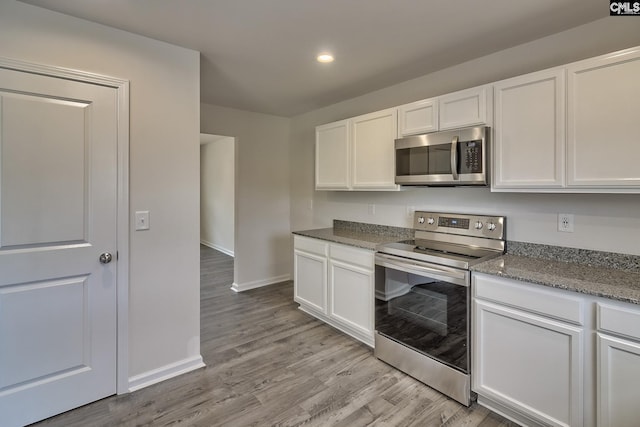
(455, 158)
(423, 297)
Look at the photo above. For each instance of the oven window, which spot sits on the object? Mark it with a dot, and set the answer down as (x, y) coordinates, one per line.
(429, 160)
(423, 313)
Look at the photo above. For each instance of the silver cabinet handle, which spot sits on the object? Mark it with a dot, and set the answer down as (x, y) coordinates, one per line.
(105, 258)
(454, 157)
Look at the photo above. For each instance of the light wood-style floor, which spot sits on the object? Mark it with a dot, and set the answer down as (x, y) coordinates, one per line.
(269, 364)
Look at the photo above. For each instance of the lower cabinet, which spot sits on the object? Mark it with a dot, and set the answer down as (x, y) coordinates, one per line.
(527, 364)
(618, 366)
(548, 357)
(335, 283)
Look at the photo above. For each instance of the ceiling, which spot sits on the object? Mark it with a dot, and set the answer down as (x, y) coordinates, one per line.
(259, 55)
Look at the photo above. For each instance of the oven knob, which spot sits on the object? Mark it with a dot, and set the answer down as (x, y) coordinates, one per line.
(421, 220)
(430, 221)
(491, 226)
(478, 225)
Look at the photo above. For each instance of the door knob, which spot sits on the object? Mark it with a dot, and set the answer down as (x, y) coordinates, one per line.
(105, 258)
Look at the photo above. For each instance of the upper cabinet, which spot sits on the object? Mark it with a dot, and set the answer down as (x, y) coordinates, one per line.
(603, 138)
(418, 117)
(357, 153)
(470, 107)
(332, 156)
(373, 149)
(568, 129)
(591, 145)
(529, 142)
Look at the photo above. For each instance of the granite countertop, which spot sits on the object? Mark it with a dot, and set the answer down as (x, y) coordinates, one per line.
(365, 236)
(602, 274)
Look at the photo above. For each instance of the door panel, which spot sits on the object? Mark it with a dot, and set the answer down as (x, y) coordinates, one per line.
(58, 178)
(41, 328)
(35, 208)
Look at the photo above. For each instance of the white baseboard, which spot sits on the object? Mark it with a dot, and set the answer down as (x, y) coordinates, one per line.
(164, 373)
(259, 283)
(217, 248)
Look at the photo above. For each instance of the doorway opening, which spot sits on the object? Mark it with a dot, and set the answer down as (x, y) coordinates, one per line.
(217, 193)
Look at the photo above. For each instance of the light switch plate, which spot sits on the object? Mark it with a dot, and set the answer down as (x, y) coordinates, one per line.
(142, 220)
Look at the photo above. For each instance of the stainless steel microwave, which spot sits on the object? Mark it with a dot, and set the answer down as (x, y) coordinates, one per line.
(455, 157)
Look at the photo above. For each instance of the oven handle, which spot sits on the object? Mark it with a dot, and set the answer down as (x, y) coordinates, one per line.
(458, 277)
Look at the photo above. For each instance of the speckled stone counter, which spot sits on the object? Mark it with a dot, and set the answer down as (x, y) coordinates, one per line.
(360, 235)
(602, 274)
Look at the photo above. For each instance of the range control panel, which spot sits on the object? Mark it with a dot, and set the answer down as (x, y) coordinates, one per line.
(462, 224)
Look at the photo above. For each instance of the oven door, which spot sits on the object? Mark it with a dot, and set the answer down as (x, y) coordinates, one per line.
(424, 307)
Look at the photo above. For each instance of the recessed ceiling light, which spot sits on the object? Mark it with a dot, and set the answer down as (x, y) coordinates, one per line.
(325, 57)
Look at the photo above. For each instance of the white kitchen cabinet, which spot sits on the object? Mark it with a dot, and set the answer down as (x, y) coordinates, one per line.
(333, 159)
(357, 153)
(310, 273)
(603, 127)
(529, 135)
(418, 117)
(528, 346)
(351, 285)
(618, 365)
(588, 145)
(335, 283)
(373, 153)
(469, 107)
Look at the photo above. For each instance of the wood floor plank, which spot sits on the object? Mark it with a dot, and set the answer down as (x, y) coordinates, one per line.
(270, 364)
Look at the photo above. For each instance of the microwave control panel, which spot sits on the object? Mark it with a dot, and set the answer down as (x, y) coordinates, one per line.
(470, 155)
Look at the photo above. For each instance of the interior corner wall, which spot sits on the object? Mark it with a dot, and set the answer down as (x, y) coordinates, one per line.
(217, 194)
(607, 222)
(164, 283)
(262, 240)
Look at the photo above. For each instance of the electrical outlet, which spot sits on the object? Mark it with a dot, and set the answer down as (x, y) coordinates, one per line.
(565, 223)
(372, 209)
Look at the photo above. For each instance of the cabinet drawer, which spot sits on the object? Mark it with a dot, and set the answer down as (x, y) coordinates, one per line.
(618, 320)
(354, 256)
(314, 246)
(529, 297)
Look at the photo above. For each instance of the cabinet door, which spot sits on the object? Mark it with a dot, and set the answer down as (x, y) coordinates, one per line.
(332, 156)
(603, 125)
(529, 364)
(373, 163)
(418, 117)
(529, 134)
(351, 297)
(468, 107)
(310, 280)
(618, 378)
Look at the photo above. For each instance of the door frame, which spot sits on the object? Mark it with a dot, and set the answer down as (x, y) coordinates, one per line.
(122, 216)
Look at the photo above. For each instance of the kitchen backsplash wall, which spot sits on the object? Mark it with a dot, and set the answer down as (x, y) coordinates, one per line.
(603, 222)
(606, 222)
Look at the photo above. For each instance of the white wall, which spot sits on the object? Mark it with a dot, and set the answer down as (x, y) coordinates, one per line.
(164, 323)
(217, 191)
(262, 241)
(602, 222)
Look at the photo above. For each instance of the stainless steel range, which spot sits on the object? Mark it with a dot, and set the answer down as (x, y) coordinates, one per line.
(423, 297)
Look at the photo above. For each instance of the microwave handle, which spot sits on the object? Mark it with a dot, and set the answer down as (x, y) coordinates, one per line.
(454, 157)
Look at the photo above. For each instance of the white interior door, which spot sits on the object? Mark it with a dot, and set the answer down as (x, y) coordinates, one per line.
(58, 178)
